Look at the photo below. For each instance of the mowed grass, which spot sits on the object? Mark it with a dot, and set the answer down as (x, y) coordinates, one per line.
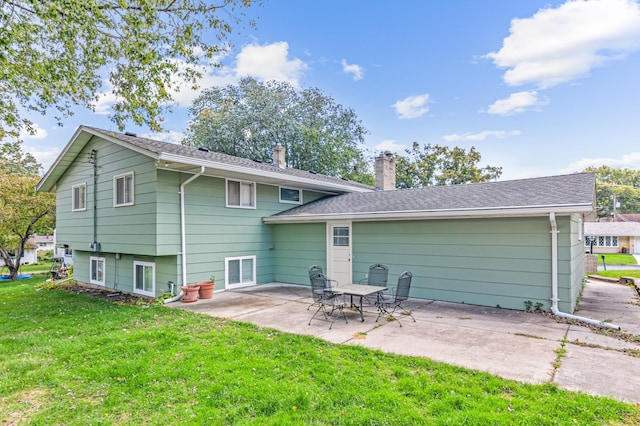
(617, 273)
(75, 360)
(617, 259)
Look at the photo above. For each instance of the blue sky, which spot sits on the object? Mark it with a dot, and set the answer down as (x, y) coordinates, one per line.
(538, 87)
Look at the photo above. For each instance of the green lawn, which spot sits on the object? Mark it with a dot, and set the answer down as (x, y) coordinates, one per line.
(617, 273)
(75, 360)
(618, 259)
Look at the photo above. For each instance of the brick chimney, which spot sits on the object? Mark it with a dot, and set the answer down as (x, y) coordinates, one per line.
(385, 170)
(279, 157)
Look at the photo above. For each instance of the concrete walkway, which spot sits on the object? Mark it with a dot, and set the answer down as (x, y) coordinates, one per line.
(511, 344)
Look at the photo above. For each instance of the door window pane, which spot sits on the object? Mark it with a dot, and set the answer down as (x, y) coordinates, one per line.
(341, 236)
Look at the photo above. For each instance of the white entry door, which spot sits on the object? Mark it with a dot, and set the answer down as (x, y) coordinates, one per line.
(339, 251)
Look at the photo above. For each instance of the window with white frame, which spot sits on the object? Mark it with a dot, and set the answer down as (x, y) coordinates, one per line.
(601, 240)
(240, 271)
(290, 195)
(97, 270)
(144, 278)
(341, 236)
(241, 194)
(123, 190)
(79, 197)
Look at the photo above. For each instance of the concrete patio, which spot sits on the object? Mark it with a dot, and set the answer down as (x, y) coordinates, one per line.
(511, 344)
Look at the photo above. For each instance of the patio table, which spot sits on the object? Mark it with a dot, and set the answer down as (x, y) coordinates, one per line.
(358, 290)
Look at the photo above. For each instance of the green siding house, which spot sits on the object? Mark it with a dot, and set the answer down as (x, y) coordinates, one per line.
(147, 217)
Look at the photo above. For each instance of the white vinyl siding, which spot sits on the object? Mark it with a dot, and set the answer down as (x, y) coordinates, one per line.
(97, 270)
(241, 194)
(144, 278)
(240, 271)
(123, 190)
(79, 197)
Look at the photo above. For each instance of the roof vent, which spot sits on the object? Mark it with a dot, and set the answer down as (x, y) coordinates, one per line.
(313, 172)
(203, 149)
(131, 134)
(257, 161)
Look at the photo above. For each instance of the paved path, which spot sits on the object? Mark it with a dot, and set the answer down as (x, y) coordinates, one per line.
(511, 344)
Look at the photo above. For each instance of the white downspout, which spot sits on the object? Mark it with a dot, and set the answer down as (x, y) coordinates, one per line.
(183, 235)
(554, 281)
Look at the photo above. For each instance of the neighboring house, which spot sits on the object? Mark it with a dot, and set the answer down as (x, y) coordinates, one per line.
(44, 242)
(29, 256)
(622, 217)
(612, 237)
(169, 215)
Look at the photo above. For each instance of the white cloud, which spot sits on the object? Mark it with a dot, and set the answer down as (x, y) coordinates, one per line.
(356, 70)
(560, 44)
(263, 62)
(390, 145)
(45, 155)
(39, 133)
(269, 62)
(628, 161)
(517, 102)
(412, 107)
(168, 136)
(480, 136)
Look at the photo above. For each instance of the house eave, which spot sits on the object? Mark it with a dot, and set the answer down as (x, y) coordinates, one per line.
(263, 175)
(465, 213)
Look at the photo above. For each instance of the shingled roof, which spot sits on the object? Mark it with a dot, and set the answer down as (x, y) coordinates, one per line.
(191, 156)
(560, 194)
(612, 228)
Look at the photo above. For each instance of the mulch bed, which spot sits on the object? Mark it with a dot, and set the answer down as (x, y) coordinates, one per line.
(107, 294)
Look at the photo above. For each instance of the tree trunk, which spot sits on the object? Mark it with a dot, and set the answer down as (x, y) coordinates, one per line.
(10, 264)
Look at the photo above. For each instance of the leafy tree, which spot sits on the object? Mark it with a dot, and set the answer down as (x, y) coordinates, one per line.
(23, 211)
(58, 53)
(624, 184)
(441, 165)
(247, 120)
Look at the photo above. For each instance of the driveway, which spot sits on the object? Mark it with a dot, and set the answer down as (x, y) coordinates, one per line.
(511, 344)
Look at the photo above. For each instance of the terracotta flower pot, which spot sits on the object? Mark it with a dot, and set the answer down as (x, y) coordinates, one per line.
(190, 293)
(206, 289)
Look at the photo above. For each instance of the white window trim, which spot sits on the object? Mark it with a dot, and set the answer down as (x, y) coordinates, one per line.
(596, 238)
(73, 197)
(289, 201)
(240, 284)
(115, 189)
(254, 191)
(104, 270)
(151, 293)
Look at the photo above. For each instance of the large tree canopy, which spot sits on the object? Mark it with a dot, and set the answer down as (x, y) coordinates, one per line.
(23, 211)
(249, 119)
(623, 185)
(441, 165)
(58, 53)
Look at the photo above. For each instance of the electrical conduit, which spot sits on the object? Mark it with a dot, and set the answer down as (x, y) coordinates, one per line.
(554, 281)
(183, 236)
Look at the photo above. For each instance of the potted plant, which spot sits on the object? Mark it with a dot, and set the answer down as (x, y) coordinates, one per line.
(190, 293)
(206, 287)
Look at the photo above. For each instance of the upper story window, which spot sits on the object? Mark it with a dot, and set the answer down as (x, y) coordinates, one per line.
(290, 195)
(123, 190)
(241, 194)
(79, 197)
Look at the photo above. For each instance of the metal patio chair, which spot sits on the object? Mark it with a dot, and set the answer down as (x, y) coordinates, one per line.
(378, 275)
(328, 301)
(313, 271)
(388, 304)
